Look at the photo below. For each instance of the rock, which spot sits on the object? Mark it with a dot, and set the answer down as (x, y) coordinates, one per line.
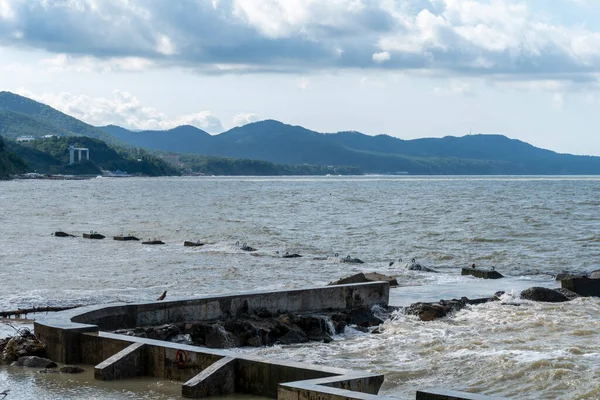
(71, 369)
(293, 336)
(414, 266)
(351, 260)
(24, 344)
(568, 293)
(543, 294)
(364, 318)
(366, 277)
(184, 338)
(595, 274)
(34, 362)
(294, 255)
(62, 234)
(432, 311)
(482, 273)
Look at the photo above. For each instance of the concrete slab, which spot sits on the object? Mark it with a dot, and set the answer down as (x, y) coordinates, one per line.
(443, 394)
(128, 363)
(582, 286)
(216, 380)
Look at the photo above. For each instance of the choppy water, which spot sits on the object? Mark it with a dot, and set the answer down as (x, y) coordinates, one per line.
(528, 228)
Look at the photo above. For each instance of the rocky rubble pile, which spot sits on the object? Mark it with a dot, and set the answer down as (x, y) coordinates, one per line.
(260, 328)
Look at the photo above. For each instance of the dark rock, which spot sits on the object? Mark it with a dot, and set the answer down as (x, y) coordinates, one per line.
(71, 369)
(294, 255)
(414, 266)
(188, 243)
(432, 311)
(482, 273)
(293, 336)
(153, 242)
(34, 362)
(62, 234)
(568, 293)
(363, 317)
(351, 260)
(263, 313)
(366, 277)
(24, 344)
(595, 274)
(543, 294)
(126, 238)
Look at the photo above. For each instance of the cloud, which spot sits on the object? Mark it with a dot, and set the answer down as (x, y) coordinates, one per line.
(245, 118)
(507, 38)
(380, 57)
(124, 109)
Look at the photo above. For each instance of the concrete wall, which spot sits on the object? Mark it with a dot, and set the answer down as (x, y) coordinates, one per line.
(342, 297)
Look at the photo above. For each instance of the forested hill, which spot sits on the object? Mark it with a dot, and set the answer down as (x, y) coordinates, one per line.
(9, 163)
(277, 142)
(51, 156)
(42, 120)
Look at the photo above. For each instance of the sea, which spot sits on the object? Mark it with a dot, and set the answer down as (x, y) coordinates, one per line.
(529, 228)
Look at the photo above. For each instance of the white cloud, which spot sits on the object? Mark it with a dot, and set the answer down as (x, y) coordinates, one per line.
(65, 62)
(381, 57)
(454, 37)
(124, 109)
(303, 83)
(245, 118)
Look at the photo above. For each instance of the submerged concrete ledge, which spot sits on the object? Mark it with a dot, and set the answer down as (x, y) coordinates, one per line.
(80, 336)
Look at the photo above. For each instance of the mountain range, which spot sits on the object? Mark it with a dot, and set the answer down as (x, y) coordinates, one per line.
(276, 142)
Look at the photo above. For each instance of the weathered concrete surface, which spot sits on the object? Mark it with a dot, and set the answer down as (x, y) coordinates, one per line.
(482, 273)
(342, 297)
(582, 286)
(363, 277)
(128, 363)
(216, 380)
(443, 394)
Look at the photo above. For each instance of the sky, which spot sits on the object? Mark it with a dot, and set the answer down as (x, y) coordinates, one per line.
(529, 70)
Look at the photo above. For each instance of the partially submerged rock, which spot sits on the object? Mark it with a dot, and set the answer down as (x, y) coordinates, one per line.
(543, 294)
(23, 344)
(481, 273)
(415, 266)
(351, 260)
(366, 277)
(62, 234)
(432, 311)
(292, 255)
(71, 369)
(260, 328)
(34, 362)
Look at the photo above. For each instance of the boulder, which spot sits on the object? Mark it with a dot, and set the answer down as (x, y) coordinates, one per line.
(24, 344)
(293, 336)
(595, 274)
(414, 266)
(34, 362)
(482, 273)
(543, 294)
(293, 255)
(366, 277)
(71, 369)
(568, 293)
(351, 260)
(432, 311)
(62, 234)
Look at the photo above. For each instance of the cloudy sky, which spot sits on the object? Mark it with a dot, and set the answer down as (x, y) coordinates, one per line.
(407, 68)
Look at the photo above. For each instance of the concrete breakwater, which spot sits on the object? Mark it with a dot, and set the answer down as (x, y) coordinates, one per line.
(81, 336)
